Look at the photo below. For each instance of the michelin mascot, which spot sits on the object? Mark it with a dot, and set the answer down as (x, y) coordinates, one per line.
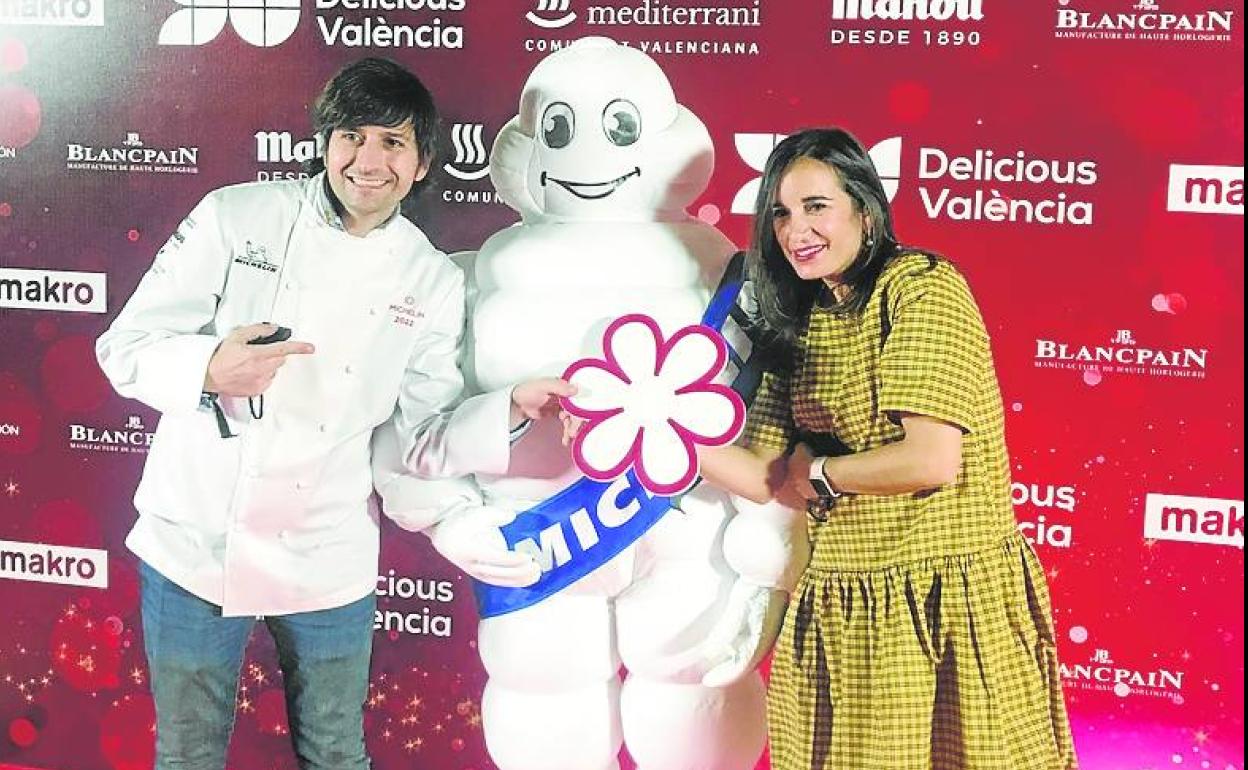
(581, 580)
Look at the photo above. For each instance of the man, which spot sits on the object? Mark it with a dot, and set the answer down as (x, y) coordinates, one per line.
(254, 498)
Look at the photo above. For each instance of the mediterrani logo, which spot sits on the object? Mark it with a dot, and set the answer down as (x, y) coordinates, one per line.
(471, 162)
(262, 23)
(755, 148)
(552, 14)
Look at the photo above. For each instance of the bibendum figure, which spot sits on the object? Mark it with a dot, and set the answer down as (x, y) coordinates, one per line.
(600, 163)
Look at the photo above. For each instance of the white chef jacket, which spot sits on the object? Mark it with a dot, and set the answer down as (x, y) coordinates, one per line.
(277, 519)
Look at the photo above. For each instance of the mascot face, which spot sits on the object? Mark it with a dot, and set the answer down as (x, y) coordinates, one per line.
(600, 137)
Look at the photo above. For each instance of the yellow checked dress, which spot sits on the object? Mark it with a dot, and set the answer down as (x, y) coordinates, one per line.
(920, 637)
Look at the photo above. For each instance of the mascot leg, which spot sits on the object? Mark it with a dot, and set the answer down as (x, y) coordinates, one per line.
(671, 726)
(552, 700)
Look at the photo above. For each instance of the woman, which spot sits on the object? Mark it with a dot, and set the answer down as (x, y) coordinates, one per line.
(920, 635)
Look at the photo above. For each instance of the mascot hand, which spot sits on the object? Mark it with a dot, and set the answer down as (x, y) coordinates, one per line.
(744, 633)
(472, 541)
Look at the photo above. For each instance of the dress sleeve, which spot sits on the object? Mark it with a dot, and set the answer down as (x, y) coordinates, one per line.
(937, 352)
(769, 423)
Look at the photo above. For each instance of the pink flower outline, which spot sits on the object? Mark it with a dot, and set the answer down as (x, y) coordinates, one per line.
(689, 437)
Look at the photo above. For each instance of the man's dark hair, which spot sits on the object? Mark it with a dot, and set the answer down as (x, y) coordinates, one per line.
(375, 92)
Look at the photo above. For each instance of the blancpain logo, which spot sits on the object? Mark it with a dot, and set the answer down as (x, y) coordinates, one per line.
(281, 148)
(1145, 20)
(52, 13)
(754, 149)
(386, 24)
(132, 155)
(1122, 355)
(132, 438)
(1101, 672)
(659, 15)
(1002, 187)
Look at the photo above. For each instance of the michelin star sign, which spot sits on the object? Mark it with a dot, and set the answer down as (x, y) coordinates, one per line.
(650, 402)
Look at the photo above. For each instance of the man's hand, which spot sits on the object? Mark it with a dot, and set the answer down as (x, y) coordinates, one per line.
(538, 398)
(239, 369)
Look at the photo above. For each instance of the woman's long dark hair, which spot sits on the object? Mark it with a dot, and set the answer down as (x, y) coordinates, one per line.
(784, 299)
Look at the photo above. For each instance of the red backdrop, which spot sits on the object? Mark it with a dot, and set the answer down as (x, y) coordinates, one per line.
(1081, 160)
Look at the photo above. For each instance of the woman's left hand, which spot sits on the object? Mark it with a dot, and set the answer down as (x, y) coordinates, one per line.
(797, 482)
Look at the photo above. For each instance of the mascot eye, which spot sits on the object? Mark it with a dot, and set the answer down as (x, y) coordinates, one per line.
(558, 126)
(622, 122)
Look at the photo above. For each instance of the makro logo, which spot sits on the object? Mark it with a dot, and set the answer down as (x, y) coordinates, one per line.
(892, 23)
(1040, 529)
(755, 148)
(263, 23)
(133, 438)
(66, 291)
(1122, 354)
(1207, 520)
(281, 148)
(470, 152)
(53, 13)
(1206, 189)
(552, 14)
(43, 563)
(1143, 20)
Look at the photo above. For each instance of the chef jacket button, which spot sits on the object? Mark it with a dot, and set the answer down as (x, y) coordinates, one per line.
(321, 427)
(289, 285)
(348, 369)
(372, 311)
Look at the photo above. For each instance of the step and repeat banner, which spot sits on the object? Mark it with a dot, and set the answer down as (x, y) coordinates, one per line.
(1080, 160)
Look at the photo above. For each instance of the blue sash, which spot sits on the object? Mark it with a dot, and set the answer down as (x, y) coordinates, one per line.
(581, 528)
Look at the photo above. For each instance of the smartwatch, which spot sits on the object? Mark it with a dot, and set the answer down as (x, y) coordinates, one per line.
(820, 481)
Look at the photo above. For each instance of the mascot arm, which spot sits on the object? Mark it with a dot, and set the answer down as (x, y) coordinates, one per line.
(463, 529)
(767, 545)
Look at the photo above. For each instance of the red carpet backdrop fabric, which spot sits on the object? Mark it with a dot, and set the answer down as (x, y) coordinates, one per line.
(1080, 160)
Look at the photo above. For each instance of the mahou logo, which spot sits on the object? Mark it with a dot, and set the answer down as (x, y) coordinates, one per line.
(755, 148)
(552, 14)
(263, 23)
